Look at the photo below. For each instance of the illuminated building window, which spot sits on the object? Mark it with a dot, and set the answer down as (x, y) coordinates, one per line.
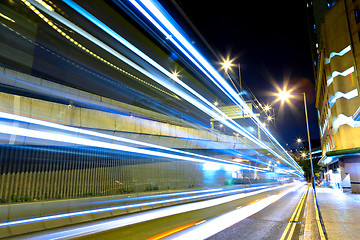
(357, 14)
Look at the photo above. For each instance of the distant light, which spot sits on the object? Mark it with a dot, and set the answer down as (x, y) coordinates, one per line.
(267, 108)
(216, 103)
(269, 118)
(299, 140)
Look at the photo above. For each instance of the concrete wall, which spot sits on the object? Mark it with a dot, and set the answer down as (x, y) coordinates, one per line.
(127, 126)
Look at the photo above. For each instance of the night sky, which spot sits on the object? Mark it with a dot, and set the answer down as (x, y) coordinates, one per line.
(270, 40)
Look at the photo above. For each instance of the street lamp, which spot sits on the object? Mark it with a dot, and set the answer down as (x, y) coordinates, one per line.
(284, 96)
(227, 64)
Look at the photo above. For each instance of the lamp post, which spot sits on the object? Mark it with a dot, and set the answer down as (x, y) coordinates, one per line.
(284, 96)
(227, 64)
(308, 133)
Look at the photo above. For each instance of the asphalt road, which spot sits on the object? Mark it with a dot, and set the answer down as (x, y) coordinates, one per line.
(260, 214)
(269, 223)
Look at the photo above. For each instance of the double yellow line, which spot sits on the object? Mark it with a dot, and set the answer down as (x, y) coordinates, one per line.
(290, 228)
(321, 232)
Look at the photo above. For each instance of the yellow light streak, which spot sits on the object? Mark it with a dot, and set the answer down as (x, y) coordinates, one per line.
(45, 19)
(175, 230)
(6, 17)
(45, 5)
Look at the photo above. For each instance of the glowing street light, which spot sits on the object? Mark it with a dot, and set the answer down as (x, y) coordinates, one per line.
(284, 96)
(299, 140)
(227, 64)
(269, 118)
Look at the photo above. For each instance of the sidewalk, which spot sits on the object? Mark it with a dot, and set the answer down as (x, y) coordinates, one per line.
(340, 212)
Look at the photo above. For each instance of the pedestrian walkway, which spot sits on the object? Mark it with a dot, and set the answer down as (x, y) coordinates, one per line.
(340, 212)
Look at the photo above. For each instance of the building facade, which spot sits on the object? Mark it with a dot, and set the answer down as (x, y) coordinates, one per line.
(337, 94)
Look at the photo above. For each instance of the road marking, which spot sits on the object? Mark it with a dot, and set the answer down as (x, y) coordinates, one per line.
(321, 232)
(295, 217)
(175, 230)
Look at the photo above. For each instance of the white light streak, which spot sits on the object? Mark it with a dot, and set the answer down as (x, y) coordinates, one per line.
(205, 67)
(147, 216)
(218, 224)
(341, 53)
(142, 204)
(203, 104)
(336, 73)
(341, 119)
(349, 95)
(93, 133)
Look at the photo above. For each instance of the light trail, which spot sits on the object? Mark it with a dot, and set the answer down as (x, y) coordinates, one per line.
(220, 117)
(341, 53)
(12, 130)
(172, 231)
(215, 225)
(173, 34)
(114, 208)
(207, 107)
(156, 196)
(342, 119)
(349, 95)
(106, 136)
(336, 73)
(149, 215)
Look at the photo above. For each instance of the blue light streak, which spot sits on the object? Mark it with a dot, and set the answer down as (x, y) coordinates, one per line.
(106, 136)
(156, 196)
(79, 213)
(205, 67)
(95, 134)
(341, 53)
(208, 107)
